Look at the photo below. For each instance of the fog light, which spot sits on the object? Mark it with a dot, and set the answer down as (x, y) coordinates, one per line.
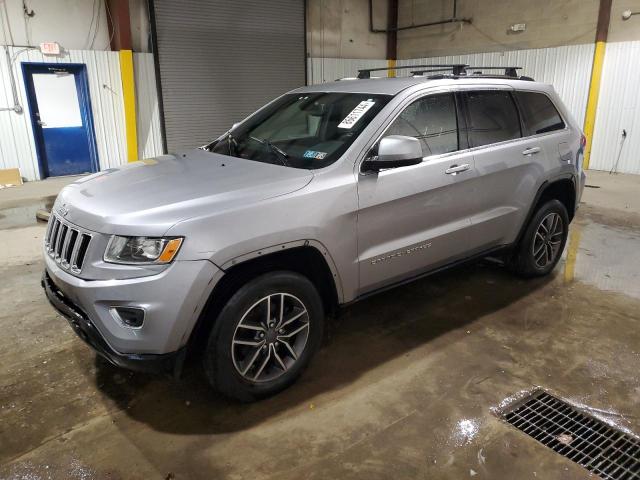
(128, 316)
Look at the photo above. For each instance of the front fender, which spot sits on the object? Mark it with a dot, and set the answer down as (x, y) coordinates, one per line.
(263, 252)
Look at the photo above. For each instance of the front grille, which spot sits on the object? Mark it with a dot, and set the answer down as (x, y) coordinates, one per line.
(66, 244)
(592, 443)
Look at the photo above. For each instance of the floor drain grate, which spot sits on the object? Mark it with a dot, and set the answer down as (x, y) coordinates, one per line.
(592, 443)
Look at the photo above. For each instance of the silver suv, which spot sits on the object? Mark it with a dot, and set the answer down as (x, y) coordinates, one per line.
(236, 251)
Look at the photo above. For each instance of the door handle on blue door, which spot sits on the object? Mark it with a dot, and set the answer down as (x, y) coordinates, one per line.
(455, 169)
(531, 150)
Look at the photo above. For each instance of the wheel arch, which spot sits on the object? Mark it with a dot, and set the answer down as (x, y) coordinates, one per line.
(307, 257)
(562, 189)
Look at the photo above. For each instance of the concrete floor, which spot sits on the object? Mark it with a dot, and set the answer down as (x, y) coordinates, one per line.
(403, 387)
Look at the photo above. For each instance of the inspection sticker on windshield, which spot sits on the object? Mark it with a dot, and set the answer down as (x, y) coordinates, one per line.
(355, 115)
(314, 154)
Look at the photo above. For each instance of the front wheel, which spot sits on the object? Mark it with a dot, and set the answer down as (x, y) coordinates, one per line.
(543, 242)
(265, 336)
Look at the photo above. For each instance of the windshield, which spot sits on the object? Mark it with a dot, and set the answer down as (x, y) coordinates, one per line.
(310, 130)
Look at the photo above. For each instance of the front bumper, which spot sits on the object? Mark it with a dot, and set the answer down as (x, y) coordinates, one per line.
(169, 363)
(172, 300)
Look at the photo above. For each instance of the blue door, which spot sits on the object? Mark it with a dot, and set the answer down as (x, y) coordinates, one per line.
(60, 107)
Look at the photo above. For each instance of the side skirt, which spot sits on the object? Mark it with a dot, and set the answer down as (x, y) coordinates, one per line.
(463, 261)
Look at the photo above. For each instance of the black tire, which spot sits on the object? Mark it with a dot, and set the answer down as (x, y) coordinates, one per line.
(222, 358)
(524, 262)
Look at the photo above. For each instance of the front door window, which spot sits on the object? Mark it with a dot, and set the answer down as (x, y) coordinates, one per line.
(433, 121)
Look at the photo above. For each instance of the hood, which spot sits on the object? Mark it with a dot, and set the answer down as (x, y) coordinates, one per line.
(148, 197)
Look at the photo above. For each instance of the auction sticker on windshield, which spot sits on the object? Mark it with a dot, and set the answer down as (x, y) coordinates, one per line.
(314, 154)
(357, 113)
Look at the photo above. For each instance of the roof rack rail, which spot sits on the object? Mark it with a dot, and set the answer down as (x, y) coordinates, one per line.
(440, 76)
(456, 69)
(431, 70)
(508, 71)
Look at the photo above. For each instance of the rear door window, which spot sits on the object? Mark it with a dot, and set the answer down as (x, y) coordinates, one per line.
(433, 121)
(538, 112)
(492, 117)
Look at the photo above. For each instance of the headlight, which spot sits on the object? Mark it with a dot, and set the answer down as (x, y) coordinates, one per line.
(141, 250)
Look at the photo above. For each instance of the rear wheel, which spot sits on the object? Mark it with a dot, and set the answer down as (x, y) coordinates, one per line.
(543, 242)
(265, 336)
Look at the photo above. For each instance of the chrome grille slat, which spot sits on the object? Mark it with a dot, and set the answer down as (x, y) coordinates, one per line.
(72, 237)
(60, 242)
(66, 244)
(54, 234)
(56, 238)
(74, 253)
(82, 250)
(56, 241)
(47, 235)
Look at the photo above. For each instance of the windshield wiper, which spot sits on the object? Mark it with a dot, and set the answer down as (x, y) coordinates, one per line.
(283, 155)
(231, 141)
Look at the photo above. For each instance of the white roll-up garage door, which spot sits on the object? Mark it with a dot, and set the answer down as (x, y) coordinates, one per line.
(220, 60)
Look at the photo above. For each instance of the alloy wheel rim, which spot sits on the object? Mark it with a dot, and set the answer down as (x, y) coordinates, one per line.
(270, 337)
(547, 240)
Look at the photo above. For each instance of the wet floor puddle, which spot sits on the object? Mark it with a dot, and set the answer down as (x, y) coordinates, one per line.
(603, 256)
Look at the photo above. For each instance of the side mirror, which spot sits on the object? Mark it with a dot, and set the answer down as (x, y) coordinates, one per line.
(394, 151)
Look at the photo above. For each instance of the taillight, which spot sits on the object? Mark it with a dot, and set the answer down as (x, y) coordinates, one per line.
(583, 141)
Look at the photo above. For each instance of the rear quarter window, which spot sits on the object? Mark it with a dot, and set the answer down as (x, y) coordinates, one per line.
(538, 112)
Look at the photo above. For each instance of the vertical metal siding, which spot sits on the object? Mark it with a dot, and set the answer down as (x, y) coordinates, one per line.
(17, 147)
(322, 70)
(567, 68)
(147, 110)
(618, 109)
(220, 61)
(105, 87)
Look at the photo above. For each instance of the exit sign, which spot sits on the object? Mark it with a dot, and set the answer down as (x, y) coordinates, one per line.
(50, 48)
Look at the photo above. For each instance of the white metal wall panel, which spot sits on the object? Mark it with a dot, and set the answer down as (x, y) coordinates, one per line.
(17, 146)
(105, 86)
(567, 68)
(147, 109)
(17, 149)
(322, 70)
(221, 60)
(618, 110)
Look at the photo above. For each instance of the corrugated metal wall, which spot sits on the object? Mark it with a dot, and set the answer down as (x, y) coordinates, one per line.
(221, 60)
(147, 108)
(17, 146)
(17, 149)
(618, 109)
(322, 70)
(568, 68)
(105, 87)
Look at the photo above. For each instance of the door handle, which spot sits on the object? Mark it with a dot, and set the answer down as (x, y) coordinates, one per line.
(531, 151)
(41, 123)
(455, 169)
